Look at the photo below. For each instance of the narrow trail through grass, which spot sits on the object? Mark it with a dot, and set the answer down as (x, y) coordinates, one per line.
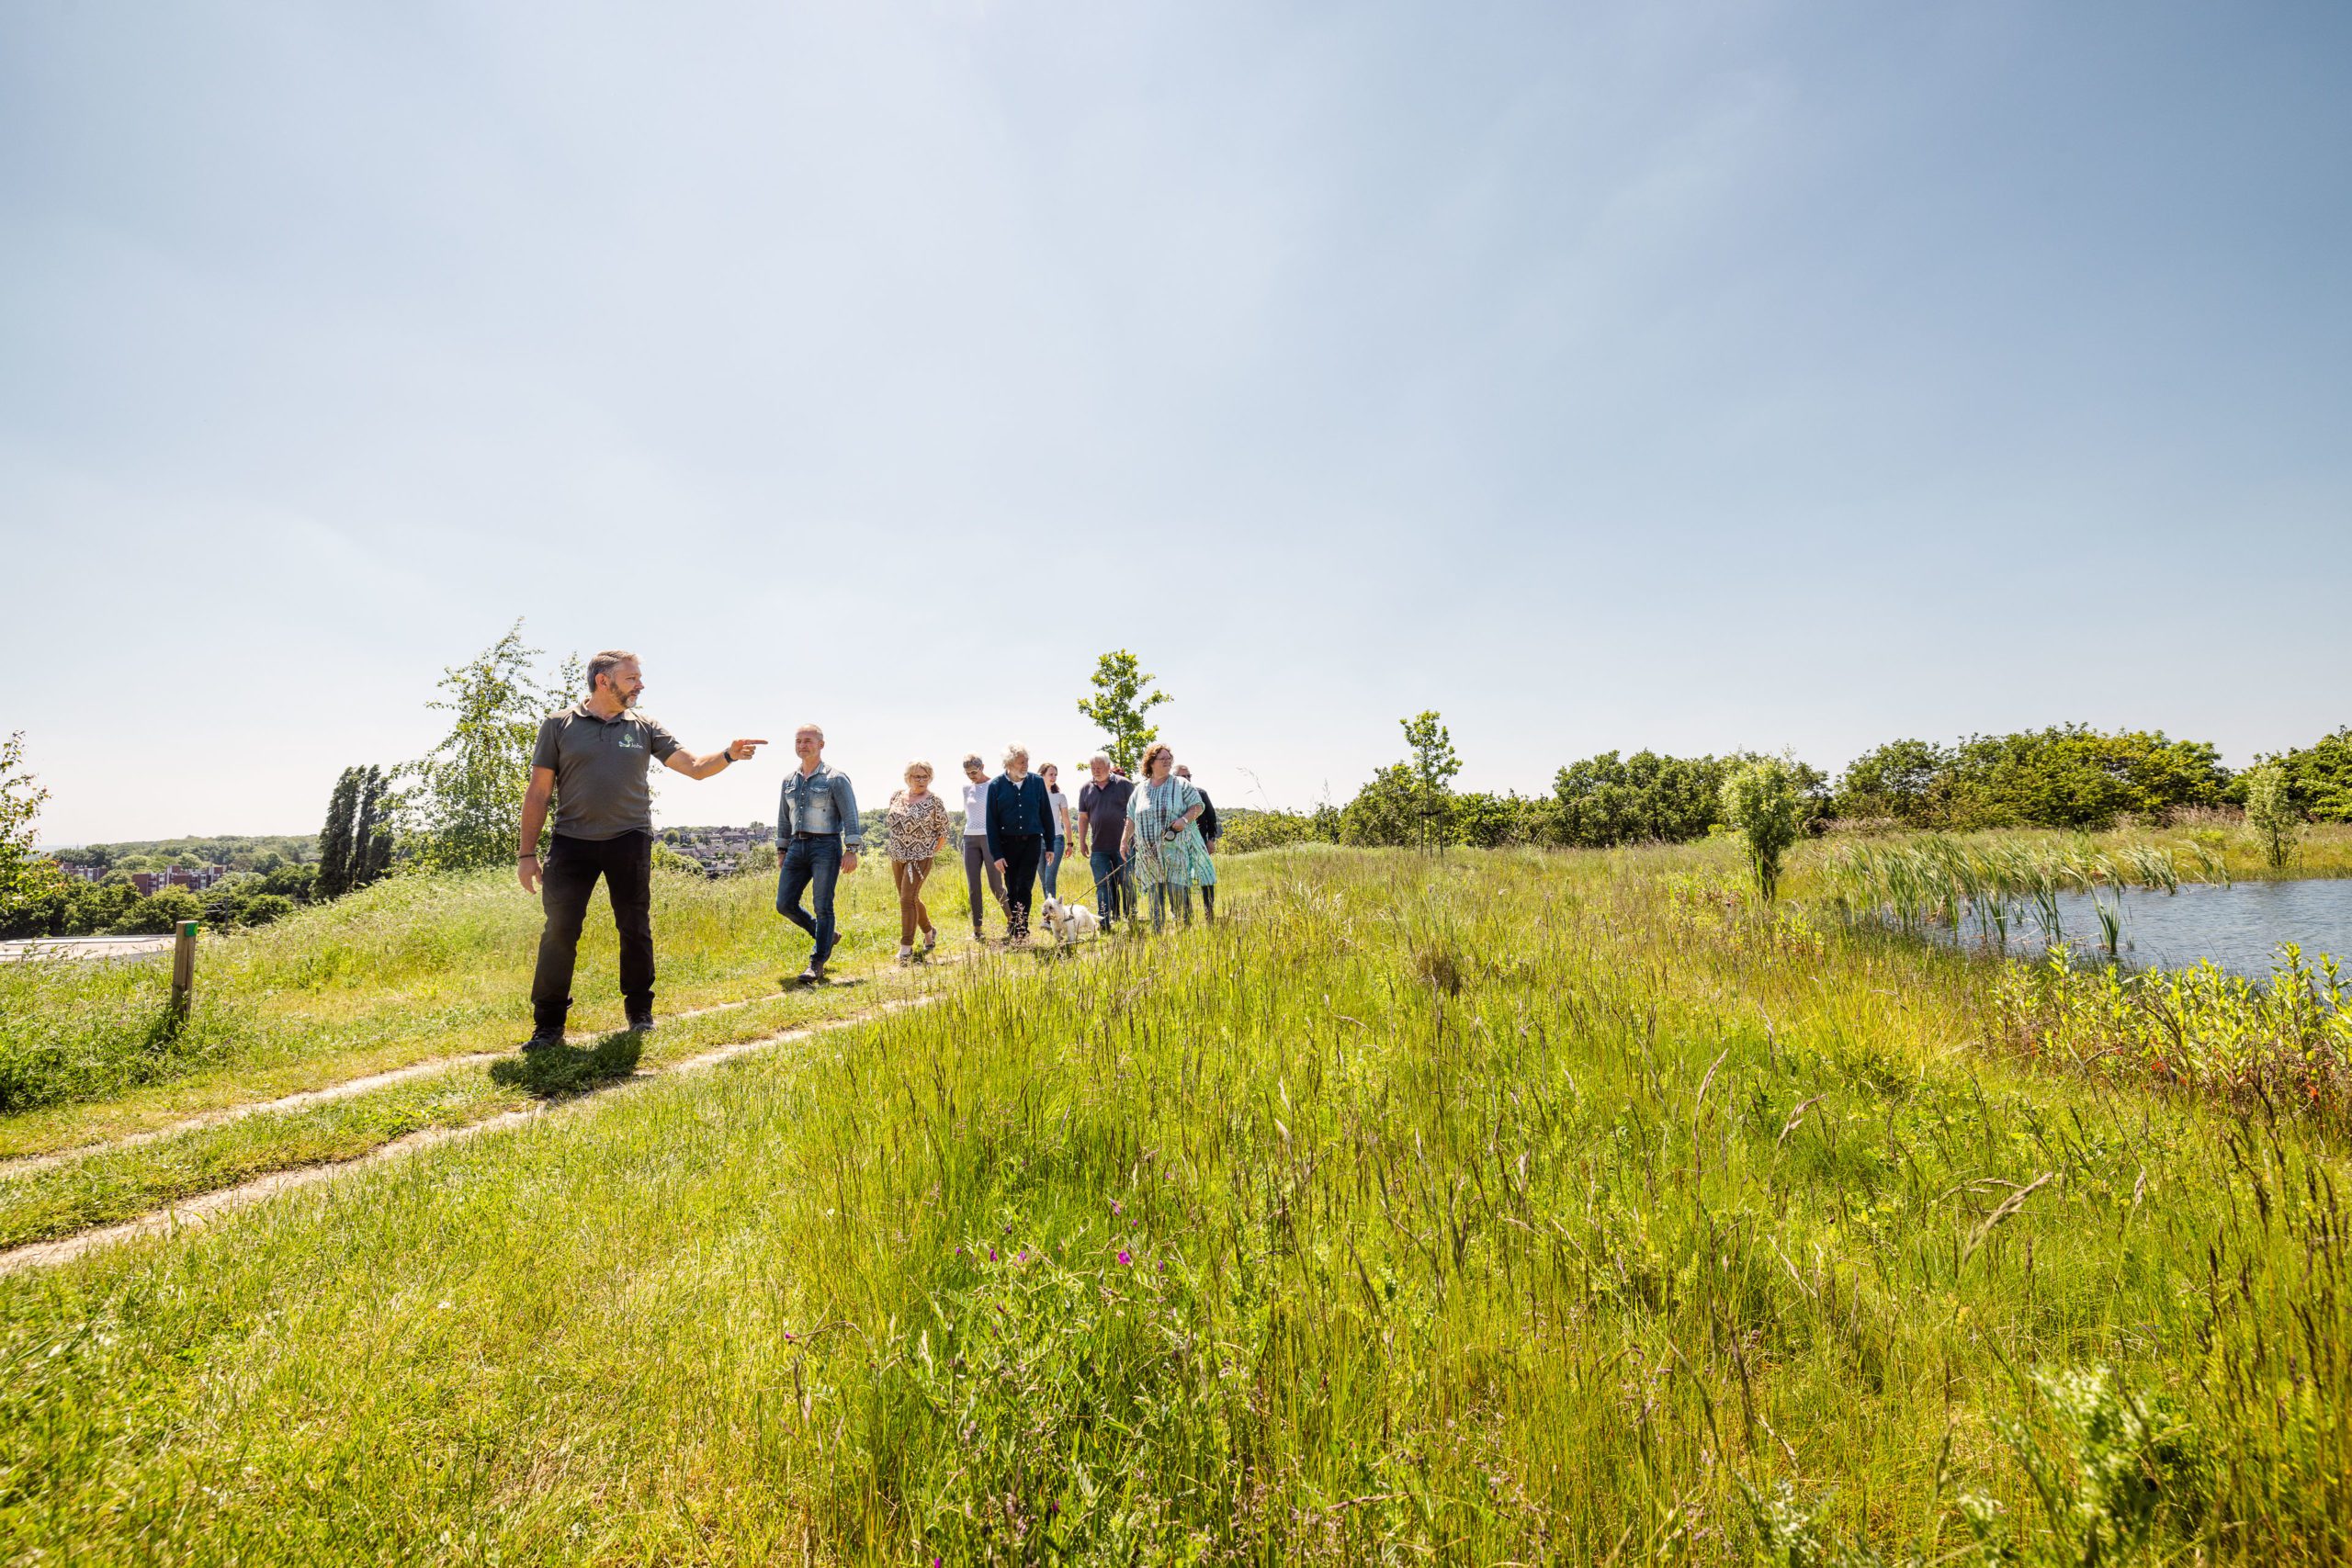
(197, 1208)
(139, 1183)
(432, 1066)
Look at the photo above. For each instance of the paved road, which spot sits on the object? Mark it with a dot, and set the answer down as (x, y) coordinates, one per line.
(13, 952)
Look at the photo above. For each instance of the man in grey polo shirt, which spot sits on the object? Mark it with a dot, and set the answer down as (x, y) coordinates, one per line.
(592, 758)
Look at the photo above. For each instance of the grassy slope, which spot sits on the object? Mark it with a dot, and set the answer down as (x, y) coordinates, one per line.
(1488, 1232)
(411, 970)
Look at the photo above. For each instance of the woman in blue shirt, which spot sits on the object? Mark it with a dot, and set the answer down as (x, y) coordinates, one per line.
(1021, 835)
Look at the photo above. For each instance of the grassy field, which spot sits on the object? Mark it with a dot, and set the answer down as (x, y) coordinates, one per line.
(1507, 1208)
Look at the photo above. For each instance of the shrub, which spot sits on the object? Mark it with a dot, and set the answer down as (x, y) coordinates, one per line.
(1762, 804)
(1247, 830)
(2271, 815)
(162, 913)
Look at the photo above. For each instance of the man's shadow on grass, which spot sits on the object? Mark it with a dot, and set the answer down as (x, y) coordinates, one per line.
(560, 1072)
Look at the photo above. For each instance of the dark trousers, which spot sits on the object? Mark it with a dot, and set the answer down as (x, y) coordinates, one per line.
(976, 861)
(810, 861)
(1020, 853)
(1115, 890)
(567, 876)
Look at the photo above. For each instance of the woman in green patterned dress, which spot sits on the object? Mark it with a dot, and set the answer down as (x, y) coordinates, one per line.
(1162, 841)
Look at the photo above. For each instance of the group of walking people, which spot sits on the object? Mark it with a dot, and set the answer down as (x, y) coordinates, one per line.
(1148, 840)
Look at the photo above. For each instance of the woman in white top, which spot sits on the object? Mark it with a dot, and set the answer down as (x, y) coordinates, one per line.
(1062, 826)
(975, 840)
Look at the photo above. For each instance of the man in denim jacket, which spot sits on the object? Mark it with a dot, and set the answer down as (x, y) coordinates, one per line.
(817, 836)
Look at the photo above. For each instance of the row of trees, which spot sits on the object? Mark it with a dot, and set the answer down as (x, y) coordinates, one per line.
(355, 845)
(2067, 776)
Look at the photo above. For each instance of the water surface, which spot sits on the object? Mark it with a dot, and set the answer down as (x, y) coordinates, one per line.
(2238, 927)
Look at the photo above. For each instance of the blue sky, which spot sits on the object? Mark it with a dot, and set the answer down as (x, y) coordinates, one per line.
(1693, 377)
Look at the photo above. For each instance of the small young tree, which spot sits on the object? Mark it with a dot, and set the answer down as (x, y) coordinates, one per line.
(2270, 814)
(1764, 805)
(1433, 765)
(469, 802)
(1123, 696)
(335, 839)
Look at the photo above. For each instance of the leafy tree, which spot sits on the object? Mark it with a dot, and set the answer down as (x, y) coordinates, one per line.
(2319, 777)
(21, 796)
(2271, 815)
(469, 802)
(1387, 812)
(2074, 776)
(1434, 765)
(371, 832)
(1765, 805)
(2065, 776)
(1495, 821)
(263, 908)
(1644, 798)
(1908, 781)
(162, 913)
(335, 837)
(1123, 696)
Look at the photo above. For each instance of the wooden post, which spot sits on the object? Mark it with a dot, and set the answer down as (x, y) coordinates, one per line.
(183, 968)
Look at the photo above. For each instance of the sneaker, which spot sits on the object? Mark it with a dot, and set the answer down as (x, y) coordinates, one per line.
(930, 941)
(812, 975)
(906, 954)
(544, 1038)
(640, 1022)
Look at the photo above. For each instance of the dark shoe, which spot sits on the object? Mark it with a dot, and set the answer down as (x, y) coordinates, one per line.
(641, 1022)
(544, 1038)
(812, 975)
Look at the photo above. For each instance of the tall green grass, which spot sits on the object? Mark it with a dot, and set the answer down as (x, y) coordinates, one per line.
(1510, 1208)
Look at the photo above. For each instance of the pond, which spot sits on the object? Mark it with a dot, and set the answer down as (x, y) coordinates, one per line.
(2238, 927)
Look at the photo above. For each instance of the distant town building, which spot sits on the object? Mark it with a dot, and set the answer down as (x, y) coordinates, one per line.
(195, 879)
(719, 850)
(83, 873)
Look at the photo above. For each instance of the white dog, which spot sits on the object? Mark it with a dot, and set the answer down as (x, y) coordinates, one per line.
(1069, 922)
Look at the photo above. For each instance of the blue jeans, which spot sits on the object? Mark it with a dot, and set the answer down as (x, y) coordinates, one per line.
(807, 861)
(1049, 871)
(1114, 894)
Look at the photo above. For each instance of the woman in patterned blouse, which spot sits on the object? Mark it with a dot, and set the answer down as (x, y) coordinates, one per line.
(916, 833)
(1161, 841)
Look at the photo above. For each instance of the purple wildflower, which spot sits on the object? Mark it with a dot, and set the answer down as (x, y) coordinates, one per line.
(991, 1254)
(1115, 1210)
(1126, 1258)
(1022, 1256)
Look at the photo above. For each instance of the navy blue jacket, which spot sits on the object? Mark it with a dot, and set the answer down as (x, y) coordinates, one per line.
(1022, 807)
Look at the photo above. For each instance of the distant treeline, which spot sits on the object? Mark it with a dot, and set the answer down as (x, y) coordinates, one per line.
(2068, 776)
(238, 851)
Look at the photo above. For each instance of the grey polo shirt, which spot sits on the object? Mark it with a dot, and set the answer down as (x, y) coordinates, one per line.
(600, 789)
